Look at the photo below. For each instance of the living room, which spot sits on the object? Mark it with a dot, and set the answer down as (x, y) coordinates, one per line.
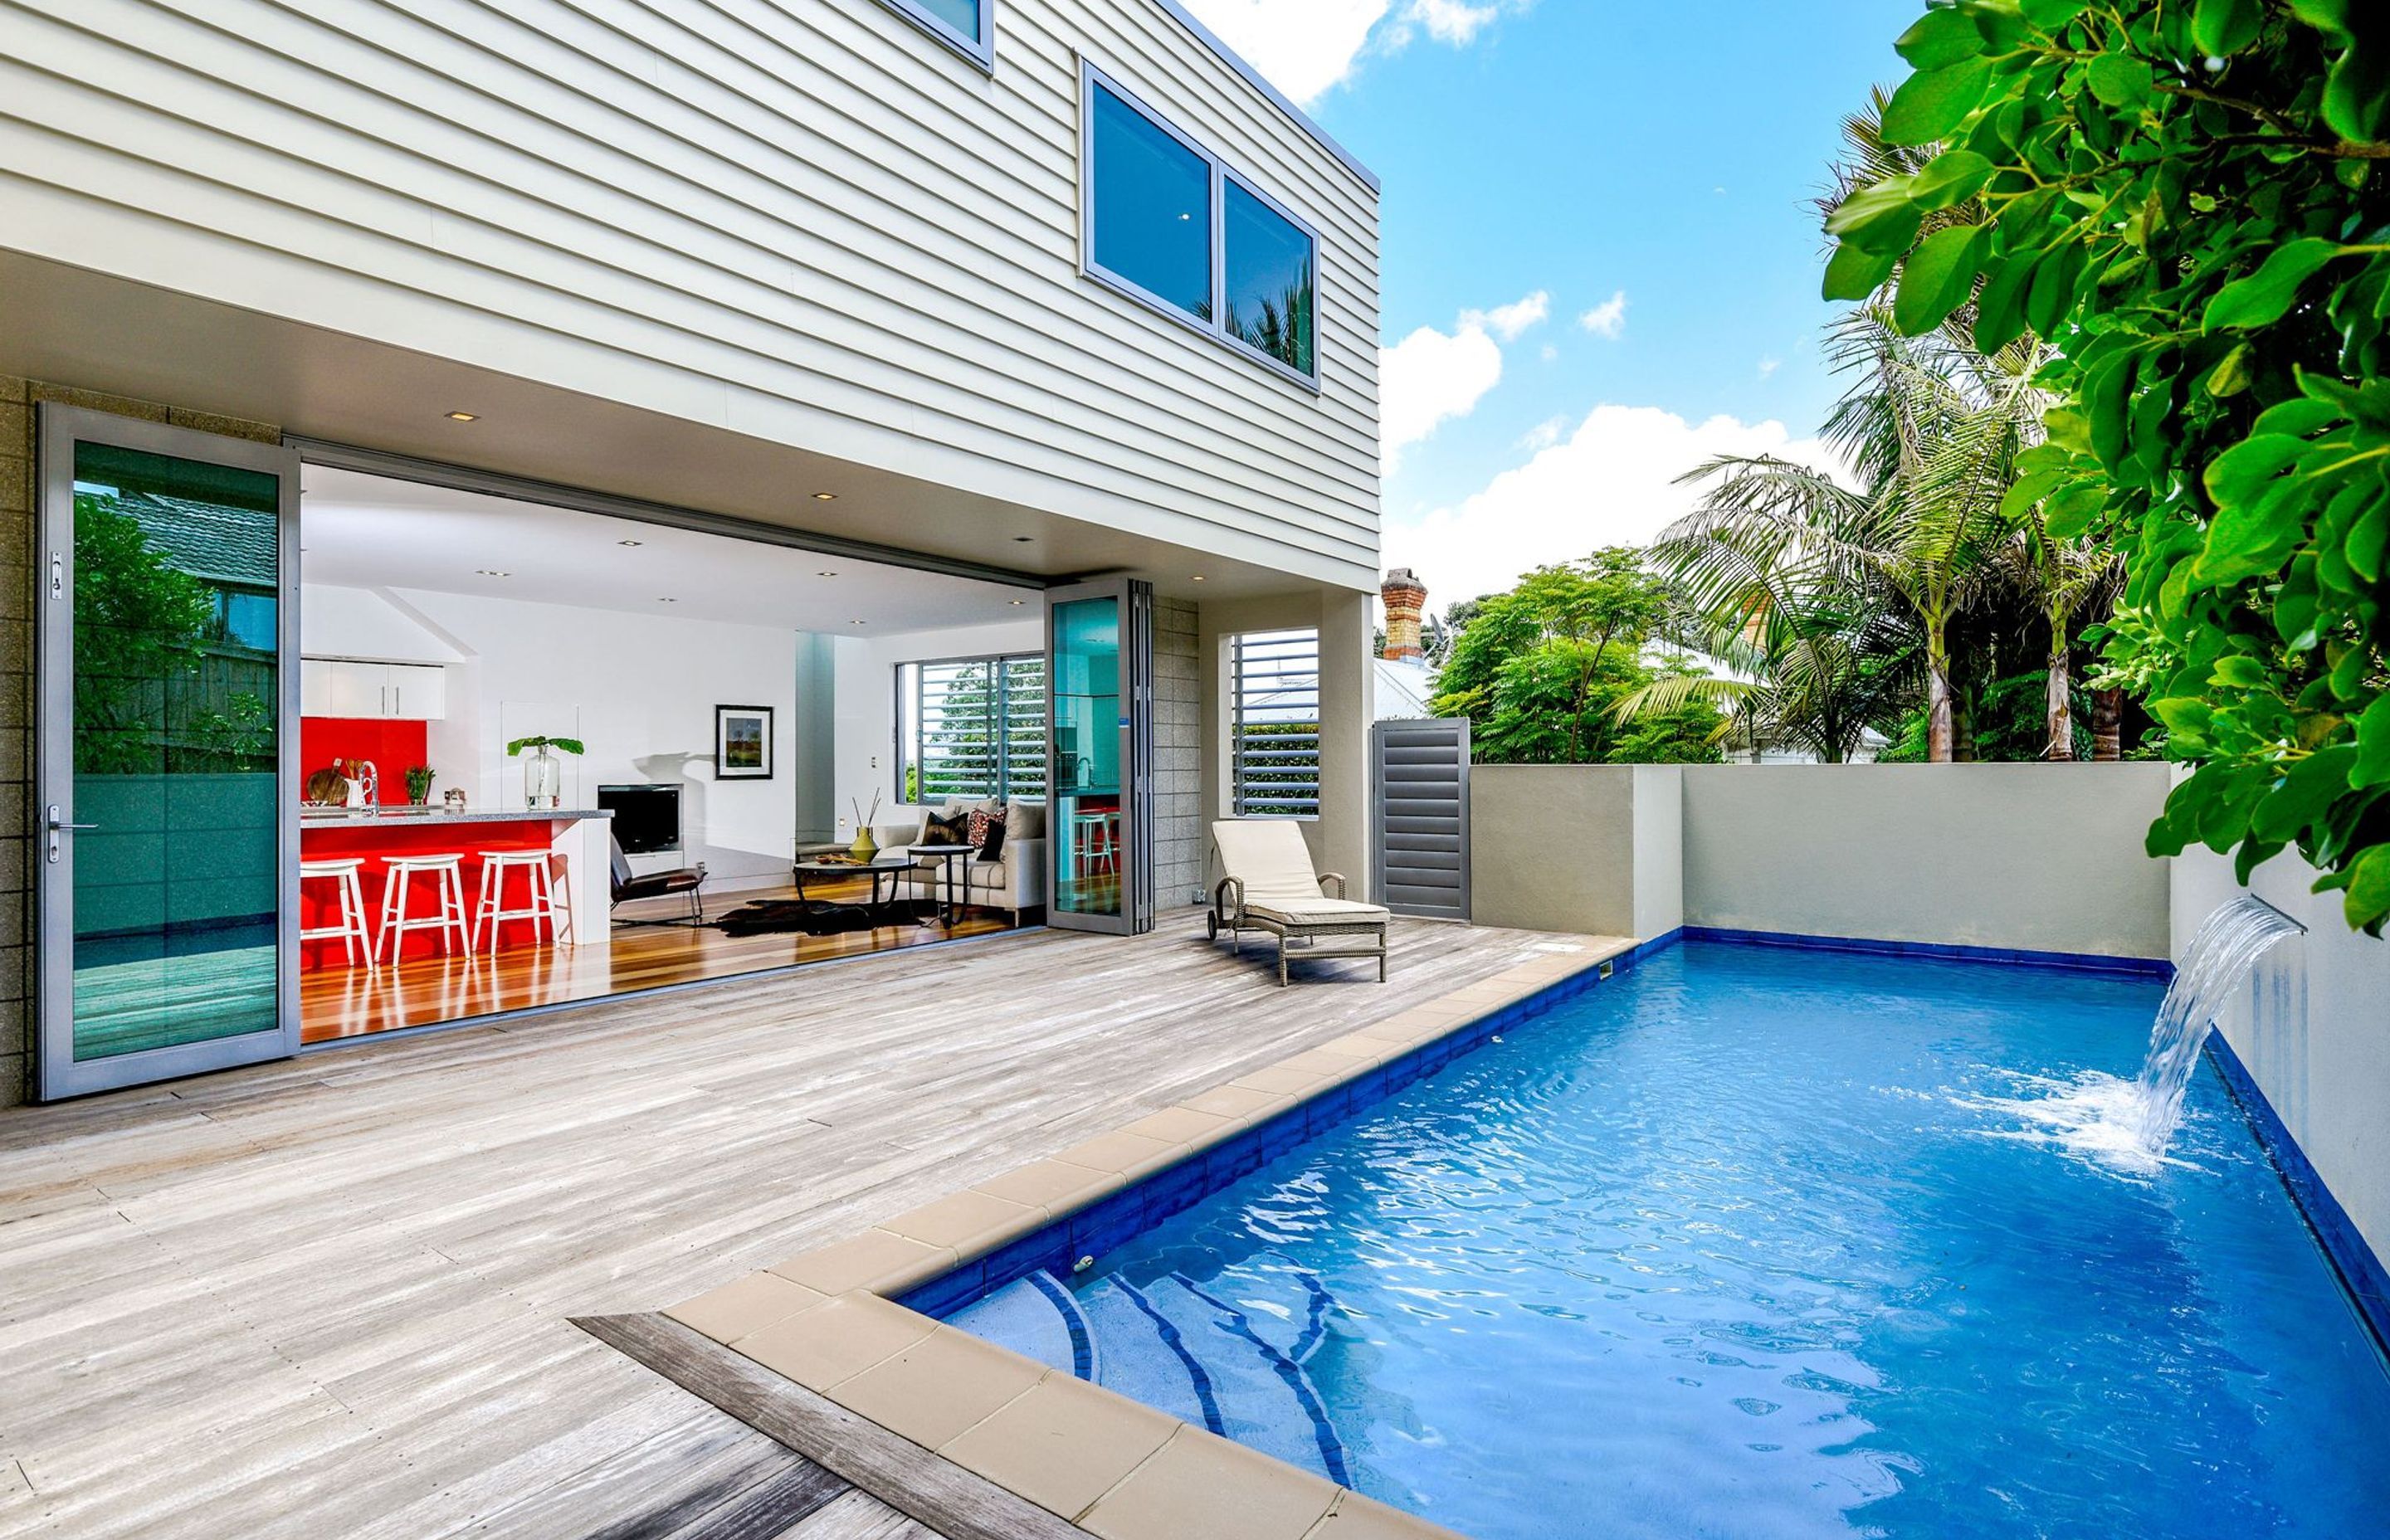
(552, 755)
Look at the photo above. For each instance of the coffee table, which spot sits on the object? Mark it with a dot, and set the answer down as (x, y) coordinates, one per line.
(954, 880)
(892, 867)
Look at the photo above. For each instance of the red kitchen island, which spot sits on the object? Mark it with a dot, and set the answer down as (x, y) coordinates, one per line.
(578, 856)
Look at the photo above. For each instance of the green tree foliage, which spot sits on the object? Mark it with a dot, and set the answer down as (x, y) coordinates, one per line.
(141, 626)
(2187, 201)
(1540, 670)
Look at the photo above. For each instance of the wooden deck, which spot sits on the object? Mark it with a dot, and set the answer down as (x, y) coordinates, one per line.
(331, 1296)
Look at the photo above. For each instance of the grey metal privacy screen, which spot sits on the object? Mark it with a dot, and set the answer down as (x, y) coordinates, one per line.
(1419, 785)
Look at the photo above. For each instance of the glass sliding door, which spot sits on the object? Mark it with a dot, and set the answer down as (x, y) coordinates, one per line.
(167, 848)
(1099, 671)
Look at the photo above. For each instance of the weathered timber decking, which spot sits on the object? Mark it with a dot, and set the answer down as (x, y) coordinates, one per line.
(331, 1296)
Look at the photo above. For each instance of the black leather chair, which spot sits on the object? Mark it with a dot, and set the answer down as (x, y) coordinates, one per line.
(628, 885)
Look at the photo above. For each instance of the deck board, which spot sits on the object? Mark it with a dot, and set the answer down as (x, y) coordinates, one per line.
(330, 1295)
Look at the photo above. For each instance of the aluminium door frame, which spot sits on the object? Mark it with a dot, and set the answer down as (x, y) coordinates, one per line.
(56, 1073)
(1135, 601)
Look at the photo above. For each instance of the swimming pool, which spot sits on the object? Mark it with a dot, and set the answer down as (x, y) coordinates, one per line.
(1752, 1242)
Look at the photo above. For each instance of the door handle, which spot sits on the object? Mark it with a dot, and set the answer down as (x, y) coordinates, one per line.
(55, 816)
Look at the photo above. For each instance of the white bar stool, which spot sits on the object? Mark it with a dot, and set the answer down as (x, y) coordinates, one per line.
(490, 911)
(448, 875)
(559, 897)
(351, 897)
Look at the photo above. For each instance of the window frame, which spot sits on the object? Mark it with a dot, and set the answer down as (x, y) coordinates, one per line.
(1092, 76)
(980, 50)
(900, 759)
(1239, 800)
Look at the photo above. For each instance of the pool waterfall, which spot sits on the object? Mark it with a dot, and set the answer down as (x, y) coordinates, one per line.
(2216, 964)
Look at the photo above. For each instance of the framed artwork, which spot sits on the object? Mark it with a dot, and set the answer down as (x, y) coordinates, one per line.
(743, 743)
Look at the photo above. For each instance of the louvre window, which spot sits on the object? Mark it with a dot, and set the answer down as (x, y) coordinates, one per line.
(1274, 679)
(971, 728)
(1170, 226)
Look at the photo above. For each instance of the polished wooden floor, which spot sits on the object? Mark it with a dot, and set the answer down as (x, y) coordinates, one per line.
(355, 1002)
(331, 1296)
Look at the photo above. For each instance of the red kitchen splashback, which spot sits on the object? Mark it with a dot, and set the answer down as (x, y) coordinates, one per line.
(392, 746)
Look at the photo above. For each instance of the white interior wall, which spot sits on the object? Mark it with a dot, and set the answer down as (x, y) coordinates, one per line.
(866, 700)
(638, 689)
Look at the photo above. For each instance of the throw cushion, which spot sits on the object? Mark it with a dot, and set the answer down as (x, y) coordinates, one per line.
(987, 832)
(946, 832)
(1025, 821)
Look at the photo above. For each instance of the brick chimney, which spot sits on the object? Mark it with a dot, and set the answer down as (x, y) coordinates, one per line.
(1406, 600)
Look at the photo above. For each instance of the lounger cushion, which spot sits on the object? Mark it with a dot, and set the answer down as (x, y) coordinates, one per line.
(1269, 856)
(1318, 911)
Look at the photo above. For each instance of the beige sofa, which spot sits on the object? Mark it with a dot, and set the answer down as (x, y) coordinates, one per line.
(1014, 883)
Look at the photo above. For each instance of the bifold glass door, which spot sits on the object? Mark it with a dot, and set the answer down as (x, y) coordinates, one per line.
(1099, 756)
(167, 847)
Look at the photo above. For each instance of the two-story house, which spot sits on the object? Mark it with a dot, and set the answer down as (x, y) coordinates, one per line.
(1048, 322)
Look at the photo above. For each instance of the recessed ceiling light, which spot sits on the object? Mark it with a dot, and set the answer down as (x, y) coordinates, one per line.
(825, 497)
(491, 572)
(667, 601)
(825, 575)
(464, 417)
(858, 622)
(1017, 603)
(1023, 539)
(630, 543)
(1198, 577)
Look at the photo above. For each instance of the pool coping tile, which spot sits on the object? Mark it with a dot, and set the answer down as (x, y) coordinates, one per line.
(829, 1318)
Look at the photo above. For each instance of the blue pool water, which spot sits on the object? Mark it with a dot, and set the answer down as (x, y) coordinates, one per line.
(1754, 1242)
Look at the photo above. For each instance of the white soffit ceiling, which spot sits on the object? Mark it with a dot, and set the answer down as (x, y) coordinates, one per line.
(359, 530)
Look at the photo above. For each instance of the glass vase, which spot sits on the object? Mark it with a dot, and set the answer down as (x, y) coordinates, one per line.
(543, 779)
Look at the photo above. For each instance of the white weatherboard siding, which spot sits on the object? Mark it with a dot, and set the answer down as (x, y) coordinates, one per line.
(799, 220)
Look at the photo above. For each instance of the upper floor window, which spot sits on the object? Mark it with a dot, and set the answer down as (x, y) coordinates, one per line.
(1168, 223)
(966, 26)
(1274, 724)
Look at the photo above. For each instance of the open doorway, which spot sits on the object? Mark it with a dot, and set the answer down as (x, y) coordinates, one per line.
(550, 755)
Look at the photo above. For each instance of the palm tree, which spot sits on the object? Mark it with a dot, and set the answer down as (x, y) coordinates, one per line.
(1931, 431)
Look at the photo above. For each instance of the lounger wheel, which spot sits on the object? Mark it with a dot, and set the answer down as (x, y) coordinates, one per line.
(1211, 926)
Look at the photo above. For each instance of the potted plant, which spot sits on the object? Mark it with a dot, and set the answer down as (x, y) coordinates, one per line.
(542, 773)
(419, 783)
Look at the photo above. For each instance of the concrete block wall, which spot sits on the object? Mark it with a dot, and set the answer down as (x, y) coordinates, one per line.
(20, 545)
(1177, 755)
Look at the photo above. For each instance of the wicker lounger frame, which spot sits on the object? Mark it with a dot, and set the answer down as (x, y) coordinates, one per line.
(1229, 913)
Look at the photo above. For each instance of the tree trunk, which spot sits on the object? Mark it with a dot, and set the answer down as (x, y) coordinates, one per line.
(2060, 697)
(2108, 725)
(1938, 721)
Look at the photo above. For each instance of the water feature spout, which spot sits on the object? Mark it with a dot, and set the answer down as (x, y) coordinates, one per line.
(2214, 967)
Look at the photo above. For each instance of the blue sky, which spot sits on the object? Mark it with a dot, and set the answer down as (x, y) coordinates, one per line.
(1645, 169)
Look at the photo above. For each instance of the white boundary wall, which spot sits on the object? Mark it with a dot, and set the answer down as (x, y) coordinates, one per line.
(2313, 1028)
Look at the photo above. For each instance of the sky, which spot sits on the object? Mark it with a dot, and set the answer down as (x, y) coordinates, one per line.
(1598, 267)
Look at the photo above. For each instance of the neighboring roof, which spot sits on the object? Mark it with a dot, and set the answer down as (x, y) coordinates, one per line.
(1405, 687)
(238, 548)
(1253, 77)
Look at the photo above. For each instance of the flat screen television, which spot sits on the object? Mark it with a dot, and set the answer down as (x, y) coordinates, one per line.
(647, 818)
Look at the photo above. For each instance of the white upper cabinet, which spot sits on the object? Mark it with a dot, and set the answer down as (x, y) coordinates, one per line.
(332, 686)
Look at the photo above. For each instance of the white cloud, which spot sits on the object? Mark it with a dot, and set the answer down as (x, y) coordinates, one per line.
(1552, 353)
(1767, 367)
(1611, 482)
(1429, 378)
(1451, 21)
(1508, 322)
(1544, 434)
(1308, 47)
(1432, 377)
(1608, 318)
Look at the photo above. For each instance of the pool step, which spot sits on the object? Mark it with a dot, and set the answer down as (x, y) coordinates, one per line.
(1226, 1352)
(1036, 1317)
